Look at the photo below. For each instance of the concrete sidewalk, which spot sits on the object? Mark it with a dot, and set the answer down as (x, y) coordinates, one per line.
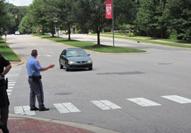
(30, 125)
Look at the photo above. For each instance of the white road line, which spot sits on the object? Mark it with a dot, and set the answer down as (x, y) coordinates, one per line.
(62, 109)
(9, 91)
(71, 107)
(143, 102)
(105, 104)
(18, 110)
(8, 94)
(178, 99)
(100, 105)
(11, 82)
(27, 110)
(110, 104)
(10, 87)
(23, 110)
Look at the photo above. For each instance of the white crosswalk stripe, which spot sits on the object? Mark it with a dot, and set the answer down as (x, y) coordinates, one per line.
(12, 82)
(10, 87)
(9, 91)
(143, 102)
(66, 108)
(23, 110)
(178, 99)
(105, 104)
(12, 76)
(61, 108)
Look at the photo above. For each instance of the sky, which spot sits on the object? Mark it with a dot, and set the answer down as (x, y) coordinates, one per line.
(20, 2)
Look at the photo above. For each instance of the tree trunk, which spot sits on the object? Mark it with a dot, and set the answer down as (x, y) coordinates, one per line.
(98, 36)
(69, 32)
(52, 30)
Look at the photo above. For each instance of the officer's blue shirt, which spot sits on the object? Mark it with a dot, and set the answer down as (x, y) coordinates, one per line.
(33, 67)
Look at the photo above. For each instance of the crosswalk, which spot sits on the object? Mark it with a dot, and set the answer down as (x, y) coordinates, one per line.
(12, 77)
(66, 107)
(105, 105)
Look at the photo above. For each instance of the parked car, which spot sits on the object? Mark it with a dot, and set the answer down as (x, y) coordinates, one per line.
(75, 58)
(17, 33)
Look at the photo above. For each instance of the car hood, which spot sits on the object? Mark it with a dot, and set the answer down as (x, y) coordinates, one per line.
(84, 58)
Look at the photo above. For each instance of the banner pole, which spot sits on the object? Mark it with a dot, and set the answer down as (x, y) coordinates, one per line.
(113, 23)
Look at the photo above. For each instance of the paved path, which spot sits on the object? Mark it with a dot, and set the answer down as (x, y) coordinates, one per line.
(29, 125)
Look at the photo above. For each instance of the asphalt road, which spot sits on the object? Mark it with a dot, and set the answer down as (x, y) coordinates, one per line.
(127, 93)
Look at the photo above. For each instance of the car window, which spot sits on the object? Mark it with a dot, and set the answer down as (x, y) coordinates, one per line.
(64, 52)
(75, 53)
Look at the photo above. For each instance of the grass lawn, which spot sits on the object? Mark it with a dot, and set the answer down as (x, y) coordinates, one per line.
(167, 42)
(7, 52)
(92, 46)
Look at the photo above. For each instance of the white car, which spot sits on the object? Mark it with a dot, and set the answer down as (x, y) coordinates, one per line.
(17, 33)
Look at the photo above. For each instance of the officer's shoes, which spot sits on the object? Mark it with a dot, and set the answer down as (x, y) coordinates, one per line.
(44, 109)
(34, 109)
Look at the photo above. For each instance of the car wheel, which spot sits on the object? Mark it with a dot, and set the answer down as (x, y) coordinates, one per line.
(67, 69)
(90, 68)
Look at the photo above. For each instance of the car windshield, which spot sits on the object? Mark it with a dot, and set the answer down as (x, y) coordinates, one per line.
(75, 53)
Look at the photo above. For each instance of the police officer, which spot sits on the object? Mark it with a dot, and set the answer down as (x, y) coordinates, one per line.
(5, 66)
(34, 78)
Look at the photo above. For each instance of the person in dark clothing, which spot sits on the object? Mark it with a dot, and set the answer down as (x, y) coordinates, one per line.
(5, 66)
(34, 78)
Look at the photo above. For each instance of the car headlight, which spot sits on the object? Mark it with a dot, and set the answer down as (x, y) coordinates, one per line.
(89, 61)
(71, 62)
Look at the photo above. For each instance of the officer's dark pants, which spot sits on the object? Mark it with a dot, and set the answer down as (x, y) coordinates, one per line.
(36, 90)
(4, 111)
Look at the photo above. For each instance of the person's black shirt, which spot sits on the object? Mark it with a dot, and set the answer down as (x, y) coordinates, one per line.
(3, 63)
(4, 100)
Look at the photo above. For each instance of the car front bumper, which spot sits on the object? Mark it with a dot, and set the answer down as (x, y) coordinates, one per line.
(79, 66)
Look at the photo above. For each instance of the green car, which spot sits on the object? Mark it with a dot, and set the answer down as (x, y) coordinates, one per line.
(75, 58)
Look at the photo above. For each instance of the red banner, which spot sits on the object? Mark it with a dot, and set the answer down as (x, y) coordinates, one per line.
(108, 9)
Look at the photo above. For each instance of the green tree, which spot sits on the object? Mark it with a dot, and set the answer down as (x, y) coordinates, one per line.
(66, 15)
(3, 17)
(92, 16)
(151, 19)
(45, 15)
(124, 11)
(15, 15)
(25, 25)
(179, 17)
